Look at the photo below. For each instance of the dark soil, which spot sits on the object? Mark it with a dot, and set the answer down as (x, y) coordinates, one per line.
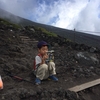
(17, 52)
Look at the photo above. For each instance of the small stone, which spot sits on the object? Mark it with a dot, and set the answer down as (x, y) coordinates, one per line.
(53, 99)
(92, 49)
(3, 97)
(91, 67)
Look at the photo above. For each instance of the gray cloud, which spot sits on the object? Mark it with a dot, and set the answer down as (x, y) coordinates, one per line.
(21, 8)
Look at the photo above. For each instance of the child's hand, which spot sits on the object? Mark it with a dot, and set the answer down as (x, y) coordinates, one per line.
(45, 57)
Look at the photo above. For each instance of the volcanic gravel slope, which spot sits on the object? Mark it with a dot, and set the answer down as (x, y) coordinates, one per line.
(17, 52)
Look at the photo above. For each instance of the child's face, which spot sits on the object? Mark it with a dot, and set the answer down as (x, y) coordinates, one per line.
(43, 50)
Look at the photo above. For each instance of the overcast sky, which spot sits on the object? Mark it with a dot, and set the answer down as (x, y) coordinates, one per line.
(79, 14)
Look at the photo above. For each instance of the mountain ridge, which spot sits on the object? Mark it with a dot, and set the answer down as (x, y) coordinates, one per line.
(78, 37)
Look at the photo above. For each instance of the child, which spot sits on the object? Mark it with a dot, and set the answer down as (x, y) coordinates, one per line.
(41, 69)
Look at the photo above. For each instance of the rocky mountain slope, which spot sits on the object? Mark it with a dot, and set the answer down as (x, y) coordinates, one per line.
(75, 64)
(74, 35)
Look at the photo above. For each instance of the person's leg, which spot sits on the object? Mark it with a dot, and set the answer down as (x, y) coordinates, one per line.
(52, 71)
(42, 72)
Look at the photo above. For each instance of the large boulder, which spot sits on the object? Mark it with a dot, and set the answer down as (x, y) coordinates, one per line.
(86, 58)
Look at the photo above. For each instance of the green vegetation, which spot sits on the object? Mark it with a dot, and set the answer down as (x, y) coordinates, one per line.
(47, 32)
(43, 30)
(68, 40)
(4, 22)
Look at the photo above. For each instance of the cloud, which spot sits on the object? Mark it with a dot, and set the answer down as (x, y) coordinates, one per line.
(18, 7)
(68, 13)
(79, 14)
(89, 17)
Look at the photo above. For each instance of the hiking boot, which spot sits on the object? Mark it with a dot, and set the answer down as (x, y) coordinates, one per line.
(53, 78)
(37, 81)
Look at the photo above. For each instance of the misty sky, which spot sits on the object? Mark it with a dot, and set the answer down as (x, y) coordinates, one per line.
(79, 14)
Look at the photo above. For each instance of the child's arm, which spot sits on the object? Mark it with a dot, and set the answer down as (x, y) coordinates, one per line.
(44, 59)
(41, 60)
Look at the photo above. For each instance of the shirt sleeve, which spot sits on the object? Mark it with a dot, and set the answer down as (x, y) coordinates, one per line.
(38, 60)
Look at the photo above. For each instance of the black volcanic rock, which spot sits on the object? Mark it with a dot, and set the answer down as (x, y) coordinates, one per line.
(17, 52)
(86, 58)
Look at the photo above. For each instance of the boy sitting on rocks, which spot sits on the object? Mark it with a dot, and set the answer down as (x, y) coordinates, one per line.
(41, 69)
